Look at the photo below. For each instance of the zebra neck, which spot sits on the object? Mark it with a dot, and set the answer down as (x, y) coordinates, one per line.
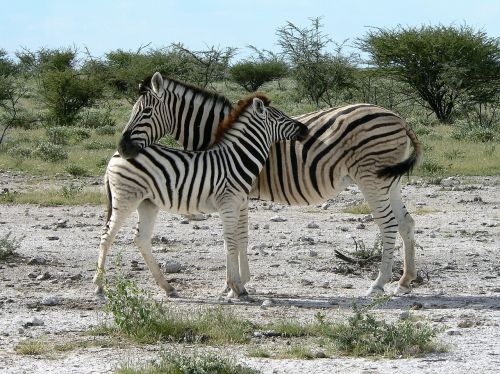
(195, 114)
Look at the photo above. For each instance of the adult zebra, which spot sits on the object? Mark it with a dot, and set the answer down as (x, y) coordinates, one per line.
(218, 179)
(361, 143)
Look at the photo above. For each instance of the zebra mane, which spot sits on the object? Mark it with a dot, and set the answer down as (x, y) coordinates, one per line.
(145, 86)
(242, 105)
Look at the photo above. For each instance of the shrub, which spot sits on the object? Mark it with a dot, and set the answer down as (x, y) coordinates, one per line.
(47, 151)
(61, 135)
(96, 119)
(96, 145)
(175, 363)
(364, 335)
(105, 130)
(20, 152)
(252, 74)
(76, 170)
(8, 246)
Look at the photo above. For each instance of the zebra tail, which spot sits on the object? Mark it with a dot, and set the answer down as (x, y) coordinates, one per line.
(407, 165)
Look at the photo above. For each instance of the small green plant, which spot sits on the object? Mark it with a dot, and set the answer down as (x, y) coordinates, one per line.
(96, 119)
(259, 352)
(32, 347)
(145, 320)
(433, 169)
(175, 363)
(357, 209)
(70, 191)
(20, 152)
(77, 170)
(365, 335)
(9, 245)
(454, 154)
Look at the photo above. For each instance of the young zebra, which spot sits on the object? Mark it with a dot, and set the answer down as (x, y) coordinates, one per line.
(359, 143)
(218, 179)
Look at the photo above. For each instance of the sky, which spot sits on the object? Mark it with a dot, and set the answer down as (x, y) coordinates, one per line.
(104, 25)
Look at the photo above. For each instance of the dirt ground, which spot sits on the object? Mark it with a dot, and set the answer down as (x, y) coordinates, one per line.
(294, 272)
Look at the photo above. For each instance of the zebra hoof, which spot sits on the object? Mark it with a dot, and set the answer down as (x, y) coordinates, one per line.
(375, 291)
(401, 290)
(99, 291)
(173, 293)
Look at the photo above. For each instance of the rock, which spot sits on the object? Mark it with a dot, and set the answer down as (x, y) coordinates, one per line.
(52, 238)
(450, 181)
(416, 306)
(313, 253)
(420, 204)
(171, 266)
(34, 322)
(306, 282)
(453, 332)
(33, 274)
(325, 206)
(307, 239)
(266, 226)
(254, 226)
(312, 225)
(318, 354)
(361, 226)
(62, 223)
(266, 303)
(325, 285)
(37, 260)
(466, 323)
(51, 301)
(184, 221)
(43, 276)
(278, 219)
(404, 315)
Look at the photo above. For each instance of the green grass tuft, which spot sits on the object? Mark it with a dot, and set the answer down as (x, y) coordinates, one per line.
(145, 320)
(8, 246)
(171, 363)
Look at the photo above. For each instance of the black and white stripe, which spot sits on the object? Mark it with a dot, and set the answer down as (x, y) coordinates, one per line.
(218, 179)
(361, 143)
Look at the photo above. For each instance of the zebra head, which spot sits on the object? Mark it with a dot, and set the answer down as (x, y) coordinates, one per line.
(147, 121)
(280, 126)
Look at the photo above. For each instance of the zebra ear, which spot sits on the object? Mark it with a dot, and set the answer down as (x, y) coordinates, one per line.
(157, 83)
(258, 107)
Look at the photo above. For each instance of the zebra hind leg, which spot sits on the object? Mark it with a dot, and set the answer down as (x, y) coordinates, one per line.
(147, 216)
(379, 201)
(113, 225)
(406, 230)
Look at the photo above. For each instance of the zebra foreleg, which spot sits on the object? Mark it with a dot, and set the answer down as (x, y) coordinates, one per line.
(229, 212)
(147, 216)
(406, 230)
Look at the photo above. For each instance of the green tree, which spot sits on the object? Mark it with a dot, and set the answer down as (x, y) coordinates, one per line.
(66, 93)
(443, 64)
(10, 93)
(252, 74)
(322, 76)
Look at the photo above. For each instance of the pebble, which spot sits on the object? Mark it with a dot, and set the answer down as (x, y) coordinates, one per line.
(184, 221)
(35, 321)
(36, 261)
(404, 315)
(313, 253)
(254, 226)
(306, 282)
(361, 226)
(312, 225)
(266, 226)
(453, 332)
(266, 303)
(43, 276)
(50, 301)
(171, 266)
(325, 206)
(278, 219)
(450, 181)
(52, 238)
